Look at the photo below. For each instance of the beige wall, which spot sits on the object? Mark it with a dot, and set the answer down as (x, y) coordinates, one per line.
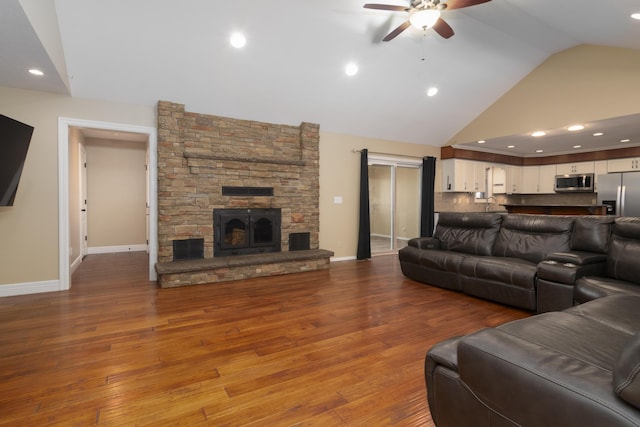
(581, 84)
(116, 178)
(29, 229)
(340, 176)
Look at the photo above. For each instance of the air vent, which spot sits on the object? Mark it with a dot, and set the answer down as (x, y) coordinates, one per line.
(299, 241)
(247, 191)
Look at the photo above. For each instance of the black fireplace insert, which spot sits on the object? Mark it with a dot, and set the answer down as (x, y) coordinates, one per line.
(246, 231)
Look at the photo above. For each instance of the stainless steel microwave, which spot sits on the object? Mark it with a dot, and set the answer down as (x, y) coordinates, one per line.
(574, 183)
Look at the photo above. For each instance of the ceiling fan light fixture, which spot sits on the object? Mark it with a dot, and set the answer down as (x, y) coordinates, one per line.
(424, 18)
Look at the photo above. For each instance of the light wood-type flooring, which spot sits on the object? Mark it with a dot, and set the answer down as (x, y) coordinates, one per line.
(341, 347)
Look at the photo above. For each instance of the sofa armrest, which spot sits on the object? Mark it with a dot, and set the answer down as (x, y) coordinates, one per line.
(578, 257)
(567, 272)
(425, 243)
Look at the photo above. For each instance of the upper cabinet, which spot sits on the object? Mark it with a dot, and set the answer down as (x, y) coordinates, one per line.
(538, 179)
(571, 168)
(467, 176)
(623, 165)
(513, 181)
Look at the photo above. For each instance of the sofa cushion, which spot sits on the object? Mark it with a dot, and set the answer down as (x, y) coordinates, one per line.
(626, 372)
(533, 237)
(468, 233)
(591, 233)
(510, 271)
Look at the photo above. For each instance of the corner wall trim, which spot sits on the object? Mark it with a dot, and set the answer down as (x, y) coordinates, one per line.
(29, 288)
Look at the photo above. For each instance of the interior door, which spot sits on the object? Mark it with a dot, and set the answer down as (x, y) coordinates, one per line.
(83, 201)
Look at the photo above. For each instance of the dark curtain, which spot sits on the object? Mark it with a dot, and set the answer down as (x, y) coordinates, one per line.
(364, 228)
(427, 203)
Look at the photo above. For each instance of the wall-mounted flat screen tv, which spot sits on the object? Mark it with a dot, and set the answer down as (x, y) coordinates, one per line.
(14, 144)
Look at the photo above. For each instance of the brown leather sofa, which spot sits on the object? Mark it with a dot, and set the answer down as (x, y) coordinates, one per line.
(535, 262)
(576, 367)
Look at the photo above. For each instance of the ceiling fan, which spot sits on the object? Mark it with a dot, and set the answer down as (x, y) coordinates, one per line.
(424, 14)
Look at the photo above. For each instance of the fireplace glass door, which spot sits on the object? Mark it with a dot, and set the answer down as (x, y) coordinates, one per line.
(246, 231)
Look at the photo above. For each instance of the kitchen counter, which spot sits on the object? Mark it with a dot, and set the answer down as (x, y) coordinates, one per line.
(557, 209)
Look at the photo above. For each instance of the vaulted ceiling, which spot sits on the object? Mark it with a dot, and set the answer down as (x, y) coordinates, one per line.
(292, 68)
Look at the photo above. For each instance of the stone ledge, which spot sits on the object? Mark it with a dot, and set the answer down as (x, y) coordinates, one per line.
(213, 270)
(196, 155)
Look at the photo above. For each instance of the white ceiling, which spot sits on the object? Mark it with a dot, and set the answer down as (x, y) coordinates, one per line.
(292, 69)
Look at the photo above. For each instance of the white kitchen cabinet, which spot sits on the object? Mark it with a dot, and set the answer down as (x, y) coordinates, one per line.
(572, 168)
(623, 165)
(600, 168)
(513, 179)
(547, 179)
(466, 176)
(454, 175)
(530, 175)
(538, 179)
(479, 182)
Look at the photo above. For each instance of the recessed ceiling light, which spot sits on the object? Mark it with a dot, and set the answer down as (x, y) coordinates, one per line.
(238, 40)
(539, 151)
(351, 69)
(538, 133)
(598, 134)
(574, 128)
(482, 141)
(432, 91)
(625, 140)
(636, 15)
(36, 72)
(577, 146)
(511, 146)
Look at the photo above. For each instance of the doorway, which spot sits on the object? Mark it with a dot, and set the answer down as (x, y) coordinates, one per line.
(394, 198)
(66, 129)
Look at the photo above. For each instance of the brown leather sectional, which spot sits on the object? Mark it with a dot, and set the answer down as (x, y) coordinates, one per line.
(535, 262)
(575, 367)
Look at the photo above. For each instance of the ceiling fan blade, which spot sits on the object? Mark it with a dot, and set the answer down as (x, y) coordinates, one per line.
(386, 7)
(393, 34)
(443, 28)
(459, 4)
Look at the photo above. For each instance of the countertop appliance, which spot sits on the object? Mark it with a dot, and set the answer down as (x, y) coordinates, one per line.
(582, 183)
(620, 193)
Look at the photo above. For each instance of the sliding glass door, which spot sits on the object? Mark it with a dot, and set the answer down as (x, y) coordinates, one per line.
(394, 200)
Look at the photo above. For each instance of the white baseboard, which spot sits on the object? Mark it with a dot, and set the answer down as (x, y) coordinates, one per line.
(29, 288)
(344, 258)
(75, 264)
(114, 249)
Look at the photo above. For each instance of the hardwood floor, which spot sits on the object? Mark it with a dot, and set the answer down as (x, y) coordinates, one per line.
(331, 348)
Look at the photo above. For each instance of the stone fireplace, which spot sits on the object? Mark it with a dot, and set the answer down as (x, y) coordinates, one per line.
(238, 169)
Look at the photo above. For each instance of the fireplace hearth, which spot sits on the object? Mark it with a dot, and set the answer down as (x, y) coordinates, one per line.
(246, 231)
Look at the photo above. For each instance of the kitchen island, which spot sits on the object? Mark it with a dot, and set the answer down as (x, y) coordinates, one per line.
(557, 209)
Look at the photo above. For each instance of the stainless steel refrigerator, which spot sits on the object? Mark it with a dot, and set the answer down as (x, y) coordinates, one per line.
(620, 193)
